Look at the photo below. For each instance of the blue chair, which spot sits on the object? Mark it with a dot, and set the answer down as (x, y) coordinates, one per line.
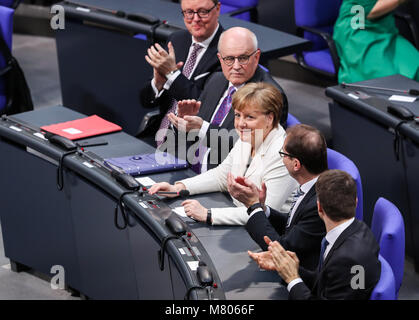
(388, 228)
(315, 20)
(10, 3)
(336, 160)
(6, 28)
(242, 9)
(385, 289)
(292, 121)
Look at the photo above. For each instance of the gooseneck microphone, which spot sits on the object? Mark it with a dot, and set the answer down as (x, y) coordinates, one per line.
(412, 92)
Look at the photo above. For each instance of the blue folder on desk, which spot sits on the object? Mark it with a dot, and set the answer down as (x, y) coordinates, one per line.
(147, 163)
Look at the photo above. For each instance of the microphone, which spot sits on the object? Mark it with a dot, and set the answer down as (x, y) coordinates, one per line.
(412, 92)
(181, 193)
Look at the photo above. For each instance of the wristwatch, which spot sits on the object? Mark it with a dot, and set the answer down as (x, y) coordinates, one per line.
(209, 217)
(253, 207)
(171, 73)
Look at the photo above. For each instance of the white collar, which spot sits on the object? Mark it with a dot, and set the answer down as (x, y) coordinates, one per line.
(307, 186)
(333, 234)
(207, 41)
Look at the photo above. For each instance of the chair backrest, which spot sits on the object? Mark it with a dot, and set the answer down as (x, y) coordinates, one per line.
(6, 29)
(385, 289)
(388, 228)
(319, 14)
(316, 13)
(7, 3)
(292, 121)
(336, 160)
(232, 5)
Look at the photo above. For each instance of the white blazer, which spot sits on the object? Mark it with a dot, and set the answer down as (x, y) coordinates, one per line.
(267, 165)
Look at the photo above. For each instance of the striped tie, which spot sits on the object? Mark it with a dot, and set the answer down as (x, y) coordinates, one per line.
(292, 201)
(187, 70)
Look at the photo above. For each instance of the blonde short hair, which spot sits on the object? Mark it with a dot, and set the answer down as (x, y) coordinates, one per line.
(263, 95)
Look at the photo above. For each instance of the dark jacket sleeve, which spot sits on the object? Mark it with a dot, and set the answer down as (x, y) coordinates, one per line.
(259, 226)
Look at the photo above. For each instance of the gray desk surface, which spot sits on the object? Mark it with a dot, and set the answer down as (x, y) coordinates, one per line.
(376, 109)
(273, 43)
(226, 245)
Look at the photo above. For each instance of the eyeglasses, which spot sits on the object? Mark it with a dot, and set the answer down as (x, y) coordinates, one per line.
(284, 154)
(243, 59)
(202, 13)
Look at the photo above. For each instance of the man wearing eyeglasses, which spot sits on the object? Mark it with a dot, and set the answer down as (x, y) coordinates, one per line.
(180, 71)
(239, 55)
(297, 227)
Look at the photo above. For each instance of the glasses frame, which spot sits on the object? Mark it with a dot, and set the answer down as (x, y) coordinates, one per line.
(203, 11)
(283, 154)
(247, 56)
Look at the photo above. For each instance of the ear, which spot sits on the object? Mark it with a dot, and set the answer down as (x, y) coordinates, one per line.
(219, 57)
(320, 210)
(257, 55)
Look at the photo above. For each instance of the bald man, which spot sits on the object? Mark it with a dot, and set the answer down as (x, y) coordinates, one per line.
(239, 55)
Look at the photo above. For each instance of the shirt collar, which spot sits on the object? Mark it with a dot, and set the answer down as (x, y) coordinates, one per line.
(334, 234)
(207, 41)
(307, 186)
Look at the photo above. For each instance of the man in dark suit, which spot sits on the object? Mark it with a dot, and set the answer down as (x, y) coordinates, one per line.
(348, 264)
(181, 71)
(239, 57)
(298, 226)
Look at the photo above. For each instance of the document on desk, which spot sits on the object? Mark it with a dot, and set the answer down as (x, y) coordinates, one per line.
(180, 211)
(396, 97)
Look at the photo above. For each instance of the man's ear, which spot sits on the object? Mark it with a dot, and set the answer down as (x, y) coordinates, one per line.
(320, 210)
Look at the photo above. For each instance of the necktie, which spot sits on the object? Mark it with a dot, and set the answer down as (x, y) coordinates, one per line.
(218, 118)
(292, 201)
(323, 247)
(187, 70)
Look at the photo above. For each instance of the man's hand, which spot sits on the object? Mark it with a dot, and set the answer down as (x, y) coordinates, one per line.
(286, 262)
(195, 210)
(188, 108)
(263, 259)
(245, 191)
(161, 60)
(187, 123)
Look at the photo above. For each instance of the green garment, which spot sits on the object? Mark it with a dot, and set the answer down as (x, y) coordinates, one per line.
(374, 52)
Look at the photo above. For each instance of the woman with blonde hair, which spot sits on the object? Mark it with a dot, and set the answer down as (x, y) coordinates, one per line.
(257, 110)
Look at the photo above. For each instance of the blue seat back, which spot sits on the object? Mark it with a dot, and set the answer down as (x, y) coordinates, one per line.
(388, 228)
(6, 28)
(319, 14)
(291, 120)
(385, 287)
(336, 160)
(7, 3)
(232, 5)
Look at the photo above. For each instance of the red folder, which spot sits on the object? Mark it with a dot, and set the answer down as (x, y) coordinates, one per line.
(82, 128)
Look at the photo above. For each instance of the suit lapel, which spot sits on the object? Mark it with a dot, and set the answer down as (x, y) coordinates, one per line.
(353, 227)
(310, 194)
(215, 95)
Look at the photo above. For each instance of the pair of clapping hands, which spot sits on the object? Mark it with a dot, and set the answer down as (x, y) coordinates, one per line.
(164, 62)
(286, 263)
